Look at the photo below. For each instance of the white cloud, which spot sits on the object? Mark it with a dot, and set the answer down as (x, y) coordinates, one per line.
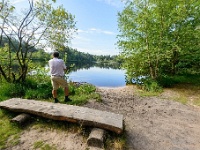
(95, 30)
(21, 1)
(96, 51)
(115, 3)
(17, 1)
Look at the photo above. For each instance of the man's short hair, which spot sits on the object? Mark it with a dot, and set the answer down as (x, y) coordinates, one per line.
(56, 54)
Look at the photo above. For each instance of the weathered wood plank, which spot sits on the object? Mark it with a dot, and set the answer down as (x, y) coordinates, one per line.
(56, 111)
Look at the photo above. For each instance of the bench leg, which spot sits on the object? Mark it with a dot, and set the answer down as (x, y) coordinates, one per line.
(21, 119)
(96, 138)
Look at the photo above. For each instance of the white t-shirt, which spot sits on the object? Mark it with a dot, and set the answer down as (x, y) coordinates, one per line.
(57, 67)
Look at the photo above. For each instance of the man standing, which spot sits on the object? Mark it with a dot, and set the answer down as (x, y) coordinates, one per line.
(57, 70)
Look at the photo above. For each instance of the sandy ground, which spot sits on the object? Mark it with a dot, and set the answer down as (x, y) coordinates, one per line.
(151, 123)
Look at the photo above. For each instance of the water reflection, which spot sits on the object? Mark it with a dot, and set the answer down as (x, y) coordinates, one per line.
(98, 74)
(100, 77)
(74, 66)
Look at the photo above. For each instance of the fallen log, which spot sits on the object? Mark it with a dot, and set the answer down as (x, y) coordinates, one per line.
(76, 114)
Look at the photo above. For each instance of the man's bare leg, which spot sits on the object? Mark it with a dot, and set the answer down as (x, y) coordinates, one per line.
(54, 93)
(67, 99)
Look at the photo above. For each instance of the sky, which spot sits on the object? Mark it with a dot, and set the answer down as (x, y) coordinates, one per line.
(96, 21)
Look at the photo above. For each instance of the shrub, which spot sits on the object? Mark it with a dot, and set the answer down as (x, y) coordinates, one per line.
(37, 88)
(10, 90)
(151, 85)
(85, 89)
(169, 81)
(166, 81)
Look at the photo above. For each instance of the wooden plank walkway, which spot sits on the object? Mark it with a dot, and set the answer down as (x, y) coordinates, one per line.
(76, 114)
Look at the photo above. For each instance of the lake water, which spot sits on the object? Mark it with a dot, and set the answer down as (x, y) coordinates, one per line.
(100, 77)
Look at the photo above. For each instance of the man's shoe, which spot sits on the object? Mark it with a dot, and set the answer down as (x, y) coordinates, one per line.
(56, 100)
(67, 100)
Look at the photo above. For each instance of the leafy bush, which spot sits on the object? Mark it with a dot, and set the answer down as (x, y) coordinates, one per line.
(10, 90)
(85, 89)
(82, 92)
(169, 81)
(166, 81)
(151, 85)
(38, 89)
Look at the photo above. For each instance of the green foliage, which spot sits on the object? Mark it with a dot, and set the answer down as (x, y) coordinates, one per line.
(156, 36)
(11, 90)
(151, 85)
(81, 93)
(170, 81)
(39, 88)
(40, 54)
(167, 81)
(85, 89)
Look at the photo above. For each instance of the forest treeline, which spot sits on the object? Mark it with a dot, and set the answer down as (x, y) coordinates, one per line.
(74, 56)
(68, 54)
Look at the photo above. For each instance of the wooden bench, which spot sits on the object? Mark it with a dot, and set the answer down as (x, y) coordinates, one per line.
(76, 114)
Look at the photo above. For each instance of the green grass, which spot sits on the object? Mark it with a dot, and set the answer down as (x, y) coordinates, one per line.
(8, 130)
(115, 141)
(197, 102)
(181, 99)
(40, 89)
(187, 93)
(82, 93)
(42, 146)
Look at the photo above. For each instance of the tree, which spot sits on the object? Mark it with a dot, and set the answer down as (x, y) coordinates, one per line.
(158, 37)
(41, 25)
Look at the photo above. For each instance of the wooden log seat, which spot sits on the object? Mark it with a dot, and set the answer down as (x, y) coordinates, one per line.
(76, 114)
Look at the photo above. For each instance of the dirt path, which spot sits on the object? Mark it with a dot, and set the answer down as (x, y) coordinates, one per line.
(154, 123)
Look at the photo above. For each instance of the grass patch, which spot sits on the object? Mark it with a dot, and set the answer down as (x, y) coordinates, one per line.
(186, 87)
(181, 99)
(114, 141)
(42, 146)
(8, 130)
(197, 102)
(82, 93)
(144, 93)
(41, 88)
(188, 93)
(9, 90)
